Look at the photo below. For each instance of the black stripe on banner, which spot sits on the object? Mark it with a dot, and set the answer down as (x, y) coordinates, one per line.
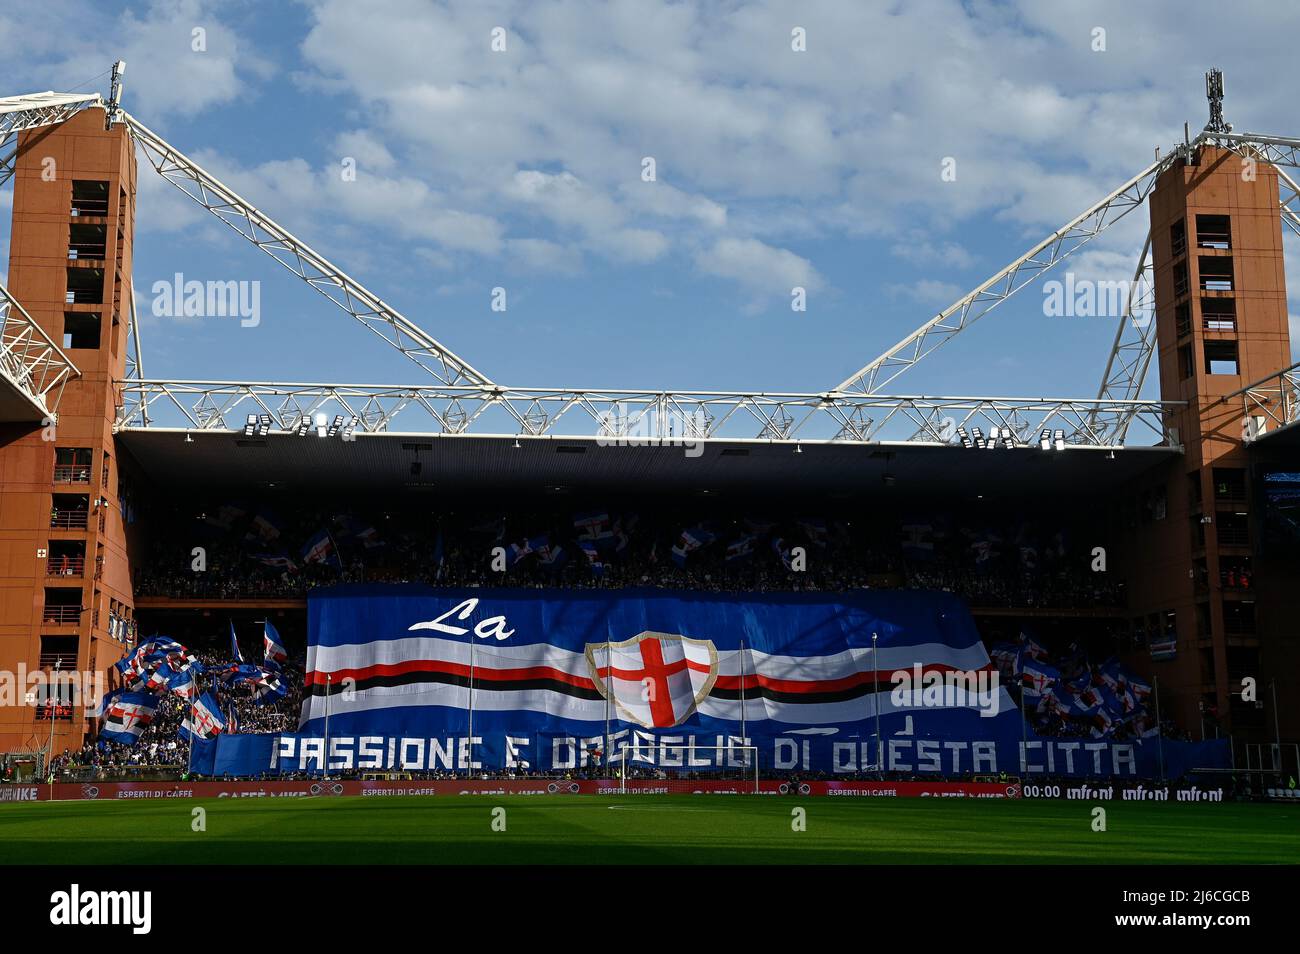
(777, 695)
(453, 679)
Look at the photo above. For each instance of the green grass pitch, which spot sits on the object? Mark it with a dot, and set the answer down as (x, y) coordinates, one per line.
(673, 829)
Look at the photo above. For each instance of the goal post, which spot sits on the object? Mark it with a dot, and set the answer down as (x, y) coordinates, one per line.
(683, 767)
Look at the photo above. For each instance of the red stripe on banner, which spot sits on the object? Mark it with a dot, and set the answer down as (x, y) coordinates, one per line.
(660, 670)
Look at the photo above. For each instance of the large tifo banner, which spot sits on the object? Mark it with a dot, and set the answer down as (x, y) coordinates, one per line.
(673, 681)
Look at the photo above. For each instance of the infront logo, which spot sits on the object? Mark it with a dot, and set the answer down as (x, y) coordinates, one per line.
(77, 907)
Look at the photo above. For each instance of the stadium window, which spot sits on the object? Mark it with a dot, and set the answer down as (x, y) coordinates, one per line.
(89, 197)
(1183, 318)
(87, 241)
(60, 651)
(1178, 238)
(1186, 365)
(1180, 280)
(81, 329)
(1221, 357)
(1218, 314)
(85, 286)
(1214, 231)
(1215, 272)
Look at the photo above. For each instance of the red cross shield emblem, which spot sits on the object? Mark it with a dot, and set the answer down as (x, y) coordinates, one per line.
(656, 680)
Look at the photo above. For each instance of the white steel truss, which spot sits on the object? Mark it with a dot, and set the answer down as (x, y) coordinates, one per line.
(30, 359)
(1271, 403)
(657, 416)
(1008, 280)
(297, 256)
(30, 111)
(1130, 356)
(464, 399)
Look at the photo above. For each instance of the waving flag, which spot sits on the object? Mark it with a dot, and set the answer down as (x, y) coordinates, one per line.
(203, 719)
(691, 540)
(551, 556)
(517, 551)
(1038, 675)
(320, 549)
(1031, 648)
(273, 646)
(240, 672)
(268, 688)
(595, 527)
(183, 684)
(593, 557)
(234, 644)
(264, 527)
(276, 561)
(127, 715)
(783, 552)
(741, 548)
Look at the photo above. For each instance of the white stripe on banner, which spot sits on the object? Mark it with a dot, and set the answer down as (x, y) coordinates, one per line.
(565, 706)
(325, 659)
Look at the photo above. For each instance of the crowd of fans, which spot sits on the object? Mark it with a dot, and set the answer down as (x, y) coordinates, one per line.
(287, 552)
(161, 745)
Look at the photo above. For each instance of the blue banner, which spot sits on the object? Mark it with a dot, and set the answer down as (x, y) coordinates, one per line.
(651, 680)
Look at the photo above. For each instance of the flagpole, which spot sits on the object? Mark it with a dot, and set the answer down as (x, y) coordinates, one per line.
(325, 758)
(49, 758)
(469, 742)
(1024, 731)
(189, 752)
(1160, 730)
(875, 680)
(608, 666)
(742, 693)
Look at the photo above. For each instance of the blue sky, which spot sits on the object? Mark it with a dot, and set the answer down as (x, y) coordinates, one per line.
(522, 169)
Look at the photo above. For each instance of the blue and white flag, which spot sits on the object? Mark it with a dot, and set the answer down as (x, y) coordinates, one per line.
(273, 646)
(235, 654)
(692, 539)
(594, 527)
(593, 557)
(268, 688)
(127, 715)
(264, 527)
(320, 549)
(742, 547)
(203, 719)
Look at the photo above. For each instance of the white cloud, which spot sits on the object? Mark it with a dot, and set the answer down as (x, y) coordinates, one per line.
(927, 291)
(759, 267)
(541, 255)
(66, 43)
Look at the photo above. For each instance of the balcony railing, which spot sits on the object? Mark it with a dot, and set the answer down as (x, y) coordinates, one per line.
(72, 473)
(68, 519)
(65, 566)
(61, 613)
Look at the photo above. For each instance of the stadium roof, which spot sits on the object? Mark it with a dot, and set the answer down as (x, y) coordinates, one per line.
(419, 462)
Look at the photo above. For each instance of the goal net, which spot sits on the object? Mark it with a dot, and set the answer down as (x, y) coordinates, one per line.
(677, 767)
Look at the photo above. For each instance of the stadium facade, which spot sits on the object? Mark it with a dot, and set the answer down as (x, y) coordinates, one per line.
(1205, 527)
